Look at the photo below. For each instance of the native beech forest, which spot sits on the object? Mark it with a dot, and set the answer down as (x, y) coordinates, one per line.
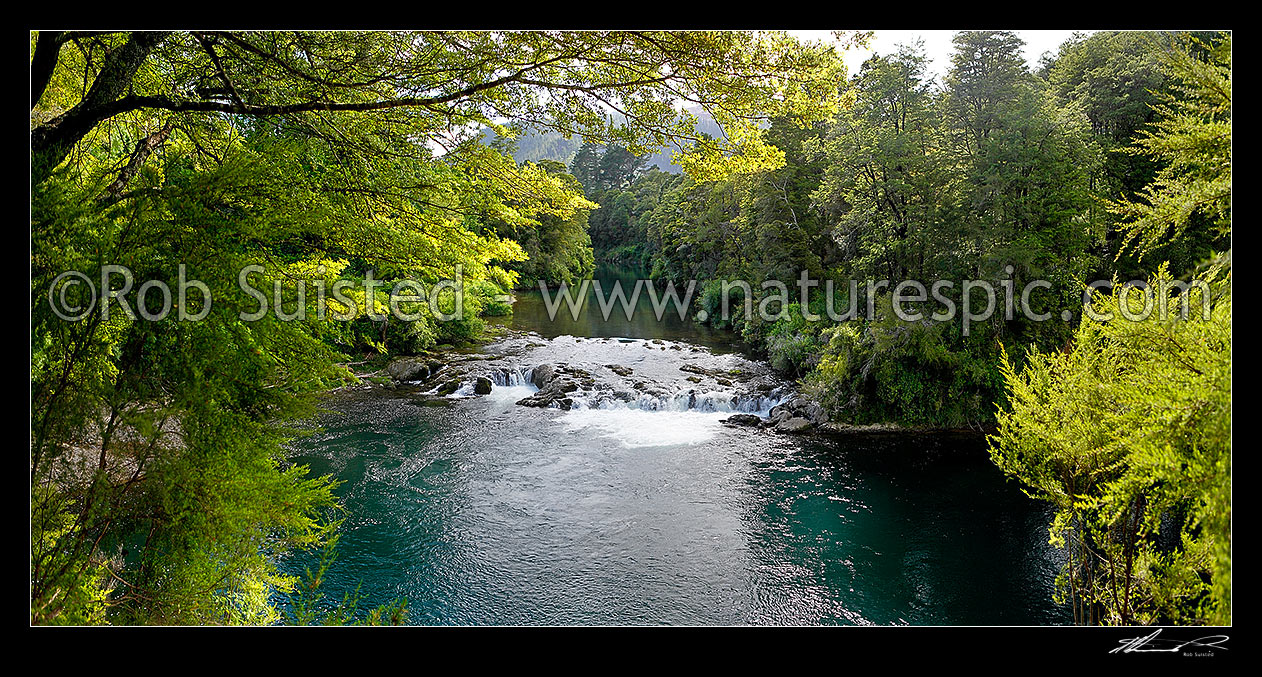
(160, 489)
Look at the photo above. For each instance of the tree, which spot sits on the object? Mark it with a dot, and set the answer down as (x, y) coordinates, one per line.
(1129, 437)
(586, 167)
(1191, 193)
(619, 167)
(1128, 432)
(1026, 164)
(986, 71)
(883, 181)
(966, 182)
(440, 81)
(1117, 79)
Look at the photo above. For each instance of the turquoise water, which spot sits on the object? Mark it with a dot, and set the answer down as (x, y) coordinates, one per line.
(483, 512)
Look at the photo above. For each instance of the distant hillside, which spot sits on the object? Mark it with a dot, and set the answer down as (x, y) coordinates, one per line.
(534, 145)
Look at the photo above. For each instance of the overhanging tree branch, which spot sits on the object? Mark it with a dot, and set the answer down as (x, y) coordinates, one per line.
(144, 148)
(52, 141)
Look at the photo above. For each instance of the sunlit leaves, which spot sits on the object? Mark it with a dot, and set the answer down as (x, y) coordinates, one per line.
(1192, 138)
(1130, 429)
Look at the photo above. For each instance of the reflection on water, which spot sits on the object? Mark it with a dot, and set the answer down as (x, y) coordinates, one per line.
(530, 313)
(917, 530)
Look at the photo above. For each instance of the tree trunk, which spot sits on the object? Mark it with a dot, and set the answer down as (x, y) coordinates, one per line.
(53, 141)
(44, 62)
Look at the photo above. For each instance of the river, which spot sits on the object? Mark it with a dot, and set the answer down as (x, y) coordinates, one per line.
(638, 506)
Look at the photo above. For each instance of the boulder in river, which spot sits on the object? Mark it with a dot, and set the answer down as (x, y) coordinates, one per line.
(406, 369)
(799, 407)
(482, 386)
(742, 419)
(796, 414)
(795, 424)
(555, 393)
(542, 375)
(619, 369)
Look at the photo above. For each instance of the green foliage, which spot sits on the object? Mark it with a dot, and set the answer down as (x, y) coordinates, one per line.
(600, 169)
(558, 247)
(1128, 432)
(162, 437)
(622, 219)
(883, 183)
(491, 300)
(792, 343)
(1192, 138)
(1128, 435)
(84, 582)
(918, 373)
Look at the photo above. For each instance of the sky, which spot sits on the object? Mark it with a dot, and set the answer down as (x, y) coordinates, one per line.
(937, 46)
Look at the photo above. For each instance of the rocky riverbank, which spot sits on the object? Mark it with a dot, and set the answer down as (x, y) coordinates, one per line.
(574, 372)
(591, 373)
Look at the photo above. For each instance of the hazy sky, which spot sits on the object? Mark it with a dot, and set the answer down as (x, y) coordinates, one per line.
(938, 46)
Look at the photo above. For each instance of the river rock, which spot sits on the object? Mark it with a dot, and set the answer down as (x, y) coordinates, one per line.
(555, 393)
(742, 419)
(796, 415)
(482, 386)
(542, 375)
(795, 424)
(694, 369)
(404, 369)
(619, 369)
(797, 407)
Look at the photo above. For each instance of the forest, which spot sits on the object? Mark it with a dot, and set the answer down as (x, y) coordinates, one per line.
(160, 487)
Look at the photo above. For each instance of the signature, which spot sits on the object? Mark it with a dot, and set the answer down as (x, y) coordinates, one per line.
(1150, 644)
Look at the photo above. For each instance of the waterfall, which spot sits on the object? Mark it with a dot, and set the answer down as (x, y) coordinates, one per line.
(511, 376)
(516, 381)
(711, 402)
